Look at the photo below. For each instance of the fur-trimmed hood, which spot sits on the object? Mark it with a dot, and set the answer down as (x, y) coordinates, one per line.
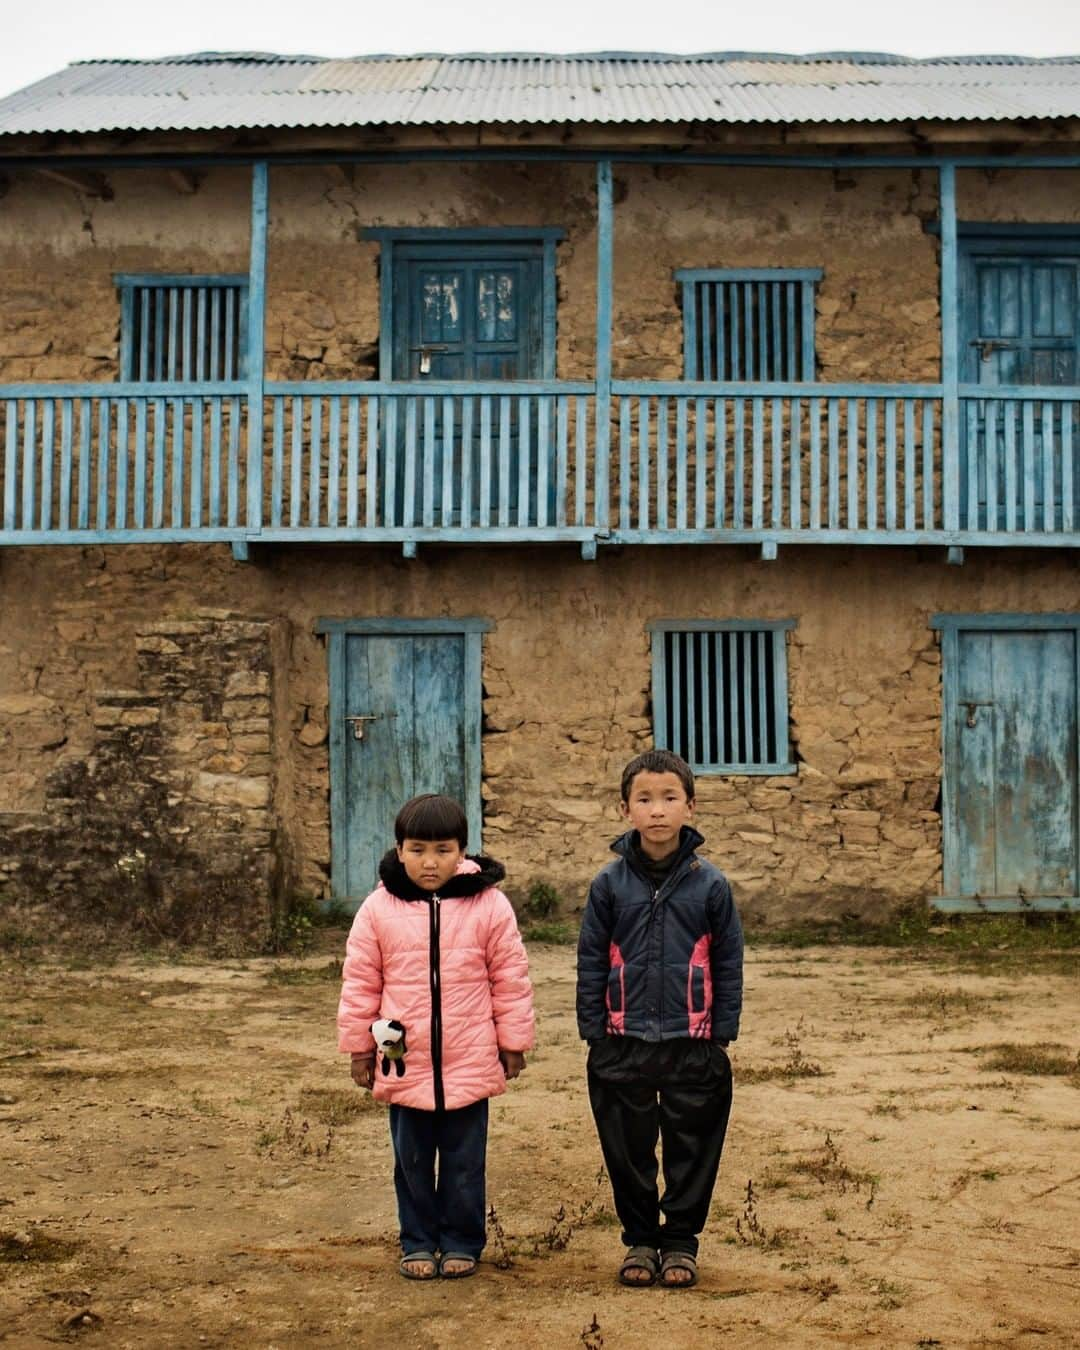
(474, 874)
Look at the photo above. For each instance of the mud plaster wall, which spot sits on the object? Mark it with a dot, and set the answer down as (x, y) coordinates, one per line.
(566, 674)
(877, 304)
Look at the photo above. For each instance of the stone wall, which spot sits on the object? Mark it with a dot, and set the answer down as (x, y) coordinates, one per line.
(877, 303)
(567, 700)
(167, 826)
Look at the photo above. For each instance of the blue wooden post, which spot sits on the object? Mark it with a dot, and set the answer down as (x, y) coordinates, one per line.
(950, 354)
(604, 240)
(256, 343)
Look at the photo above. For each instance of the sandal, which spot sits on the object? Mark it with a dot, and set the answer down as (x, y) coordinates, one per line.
(639, 1258)
(678, 1261)
(410, 1257)
(470, 1269)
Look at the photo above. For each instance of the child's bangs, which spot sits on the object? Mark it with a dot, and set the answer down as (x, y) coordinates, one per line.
(431, 816)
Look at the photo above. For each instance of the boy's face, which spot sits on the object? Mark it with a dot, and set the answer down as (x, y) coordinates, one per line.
(658, 808)
(430, 863)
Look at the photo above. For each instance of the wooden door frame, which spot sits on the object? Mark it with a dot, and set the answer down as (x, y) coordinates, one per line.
(336, 632)
(950, 626)
(547, 236)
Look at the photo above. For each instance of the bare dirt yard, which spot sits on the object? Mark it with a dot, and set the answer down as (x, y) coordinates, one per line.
(184, 1163)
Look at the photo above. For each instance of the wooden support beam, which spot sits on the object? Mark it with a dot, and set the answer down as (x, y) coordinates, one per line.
(588, 550)
(89, 184)
(409, 548)
(184, 181)
(768, 550)
(955, 557)
(241, 550)
(256, 340)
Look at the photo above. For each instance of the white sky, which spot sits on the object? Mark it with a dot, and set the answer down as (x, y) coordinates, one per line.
(49, 34)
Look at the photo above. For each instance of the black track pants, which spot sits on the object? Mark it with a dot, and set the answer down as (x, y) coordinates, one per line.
(677, 1091)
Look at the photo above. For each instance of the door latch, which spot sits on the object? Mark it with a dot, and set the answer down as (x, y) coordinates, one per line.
(988, 346)
(358, 723)
(425, 351)
(973, 706)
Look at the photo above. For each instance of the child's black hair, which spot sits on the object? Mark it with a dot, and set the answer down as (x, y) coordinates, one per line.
(431, 816)
(658, 761)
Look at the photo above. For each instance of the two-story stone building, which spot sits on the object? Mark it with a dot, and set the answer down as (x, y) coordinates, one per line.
(471, 423)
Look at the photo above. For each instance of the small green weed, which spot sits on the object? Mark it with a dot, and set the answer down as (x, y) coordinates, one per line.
(544, 902)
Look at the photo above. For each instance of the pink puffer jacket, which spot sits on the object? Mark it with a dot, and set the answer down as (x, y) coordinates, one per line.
(452, 969)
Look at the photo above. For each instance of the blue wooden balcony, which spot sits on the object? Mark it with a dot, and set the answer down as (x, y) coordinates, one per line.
(646, 463)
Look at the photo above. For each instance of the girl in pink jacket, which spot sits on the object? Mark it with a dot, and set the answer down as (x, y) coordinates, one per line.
(436, 989)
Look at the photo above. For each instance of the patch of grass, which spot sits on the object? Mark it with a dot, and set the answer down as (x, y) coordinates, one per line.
(335, 1106)
(292, 1139)
(33, 1245)
(556, 932)
(890, 1294)
(304, 974)
(948, 1004)
(1049, 943)
(795, 1066)
(1042, 1058)
(831, 1170)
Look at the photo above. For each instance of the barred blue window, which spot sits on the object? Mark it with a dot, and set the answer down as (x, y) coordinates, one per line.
(182, 328)
(748, 324)
(720, 695)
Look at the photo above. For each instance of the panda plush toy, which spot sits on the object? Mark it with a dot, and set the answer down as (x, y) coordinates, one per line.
(390, 1040)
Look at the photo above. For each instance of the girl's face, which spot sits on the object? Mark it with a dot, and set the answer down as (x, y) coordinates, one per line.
(430, 863)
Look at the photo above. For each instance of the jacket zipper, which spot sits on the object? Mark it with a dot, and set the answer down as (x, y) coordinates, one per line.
(435, 970)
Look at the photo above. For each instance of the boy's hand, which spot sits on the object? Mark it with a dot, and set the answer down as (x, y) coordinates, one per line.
(363, 1068)
(513, 1061)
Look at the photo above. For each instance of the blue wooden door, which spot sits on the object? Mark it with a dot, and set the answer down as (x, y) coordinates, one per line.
(471, 312)
(414, 699)
(1022, 327)
(1011, 756)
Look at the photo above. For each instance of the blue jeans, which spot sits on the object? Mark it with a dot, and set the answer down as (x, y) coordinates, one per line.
(444, 1215)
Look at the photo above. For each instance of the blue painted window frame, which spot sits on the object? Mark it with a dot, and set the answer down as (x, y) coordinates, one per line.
(772, 712)
(950, 626)
(336, 631)
(391, 238)
(129, 285)
(786, 341)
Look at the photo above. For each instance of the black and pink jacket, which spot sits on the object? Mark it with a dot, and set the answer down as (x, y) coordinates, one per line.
(660, 964)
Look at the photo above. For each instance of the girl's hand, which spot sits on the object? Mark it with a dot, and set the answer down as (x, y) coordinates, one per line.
(363, 1069)
(513, 1061)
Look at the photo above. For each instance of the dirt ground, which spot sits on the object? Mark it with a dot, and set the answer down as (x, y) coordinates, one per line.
(183, 1163)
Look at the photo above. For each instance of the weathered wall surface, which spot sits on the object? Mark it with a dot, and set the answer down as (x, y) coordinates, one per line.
(877, 304)
(165, 823)
(566, 678)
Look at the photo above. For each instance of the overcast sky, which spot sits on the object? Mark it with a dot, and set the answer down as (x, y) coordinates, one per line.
(49, 34)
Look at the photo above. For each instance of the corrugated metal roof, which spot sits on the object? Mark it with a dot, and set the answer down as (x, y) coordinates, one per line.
(213, 90)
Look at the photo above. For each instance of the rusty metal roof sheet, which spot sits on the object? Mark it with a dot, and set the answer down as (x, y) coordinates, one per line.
(211, 90)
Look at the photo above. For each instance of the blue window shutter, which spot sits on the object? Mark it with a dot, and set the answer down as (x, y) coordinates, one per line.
(179, 327)
(720, 694)
(752, 324)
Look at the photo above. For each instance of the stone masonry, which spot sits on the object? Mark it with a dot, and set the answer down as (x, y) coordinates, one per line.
(167, 825)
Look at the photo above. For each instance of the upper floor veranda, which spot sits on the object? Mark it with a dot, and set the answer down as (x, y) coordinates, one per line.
(539, 344)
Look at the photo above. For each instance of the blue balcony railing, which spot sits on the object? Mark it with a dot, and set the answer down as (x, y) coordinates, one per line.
(489, 462)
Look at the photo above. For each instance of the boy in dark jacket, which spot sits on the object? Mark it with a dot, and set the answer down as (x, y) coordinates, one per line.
(658, 998)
